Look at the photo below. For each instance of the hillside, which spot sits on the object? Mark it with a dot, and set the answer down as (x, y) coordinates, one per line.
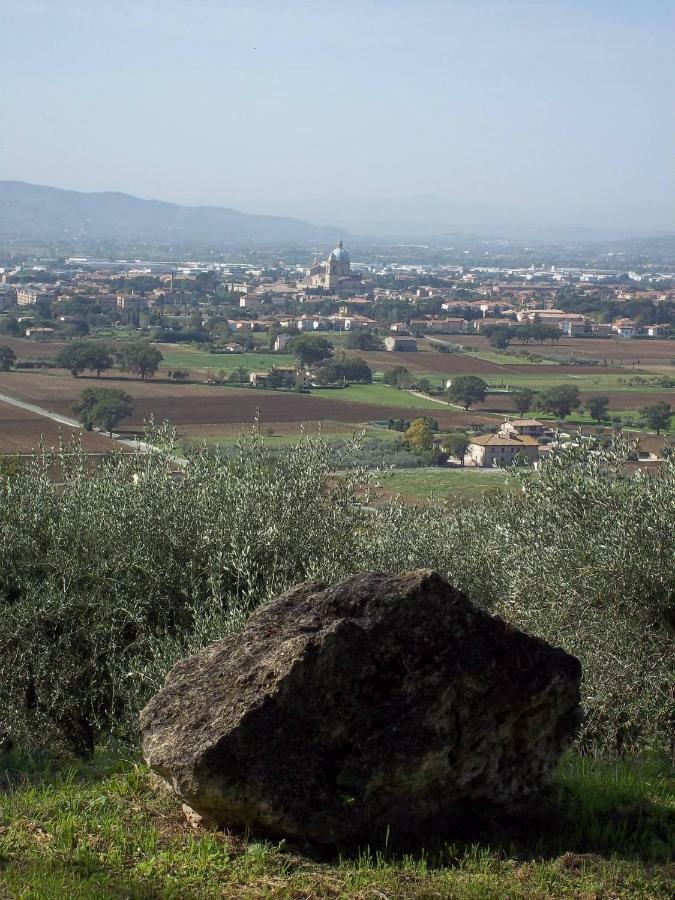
(34, 212)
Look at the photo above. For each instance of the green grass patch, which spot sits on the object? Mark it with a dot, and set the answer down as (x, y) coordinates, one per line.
(378, 393)
(284, 440)
(598, 383)
(444, 484)
(176, 355)
(584, 418)
(101, 831)
(510, 359)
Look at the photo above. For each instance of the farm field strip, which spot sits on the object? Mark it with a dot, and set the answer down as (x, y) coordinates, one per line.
(21, 431)
(616, 351)
(376, 393)
(255, 361)
(202, 404)
(442, 484)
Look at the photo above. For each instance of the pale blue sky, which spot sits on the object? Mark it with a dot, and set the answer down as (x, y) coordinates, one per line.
(273, 106)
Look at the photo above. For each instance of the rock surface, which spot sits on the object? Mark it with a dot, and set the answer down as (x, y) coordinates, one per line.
(383, 702)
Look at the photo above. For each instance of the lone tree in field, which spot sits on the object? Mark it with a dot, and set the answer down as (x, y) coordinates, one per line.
(102, 408)
(80, 356)
(310, 348)
(560, 400)
(467, 390)
(597, 408)
(419, 436)
(398, 377)
(7, 358)
(522, 400)
(140, 358)
(657, 416)
(457, 446)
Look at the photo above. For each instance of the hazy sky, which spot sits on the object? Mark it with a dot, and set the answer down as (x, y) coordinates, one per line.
(272, 106)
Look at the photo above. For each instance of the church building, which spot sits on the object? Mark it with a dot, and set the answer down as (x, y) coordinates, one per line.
(335, 275)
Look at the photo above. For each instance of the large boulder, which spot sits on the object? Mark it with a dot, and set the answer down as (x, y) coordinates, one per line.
(380, 704)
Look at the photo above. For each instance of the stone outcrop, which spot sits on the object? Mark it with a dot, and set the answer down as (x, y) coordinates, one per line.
(380, 703)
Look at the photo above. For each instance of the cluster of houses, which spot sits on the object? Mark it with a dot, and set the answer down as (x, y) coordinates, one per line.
(520, 441)
(330, 296)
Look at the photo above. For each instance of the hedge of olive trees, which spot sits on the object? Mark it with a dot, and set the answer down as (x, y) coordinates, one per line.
(110, 577)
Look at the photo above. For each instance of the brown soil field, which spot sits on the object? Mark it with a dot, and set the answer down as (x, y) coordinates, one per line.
(276, 428)
(465, 364)
(619, 351)
(21, 431)
(422, 361)
(26, 349)
(201, 404)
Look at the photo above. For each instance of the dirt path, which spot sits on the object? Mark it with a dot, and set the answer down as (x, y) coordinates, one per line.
(73, 423)
(41, 411)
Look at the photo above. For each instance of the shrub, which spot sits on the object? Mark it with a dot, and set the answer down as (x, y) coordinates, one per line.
(107, 581)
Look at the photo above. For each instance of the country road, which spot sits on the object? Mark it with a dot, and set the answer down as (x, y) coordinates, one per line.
(41, 411)
(73, 423)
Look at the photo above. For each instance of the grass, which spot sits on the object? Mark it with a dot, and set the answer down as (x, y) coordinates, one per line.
(610, 381)
(443, 484)
(584, 418)
(509, 359)
(176, 355)
(100, 831)
(377, 393)
(280, 440)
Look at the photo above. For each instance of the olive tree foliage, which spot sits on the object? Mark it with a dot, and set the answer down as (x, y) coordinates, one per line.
(105, 582)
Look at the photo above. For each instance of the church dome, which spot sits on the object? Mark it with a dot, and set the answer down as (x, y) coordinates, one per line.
(340, 253)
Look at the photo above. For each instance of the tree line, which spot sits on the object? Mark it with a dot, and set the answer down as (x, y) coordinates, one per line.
(138, 357)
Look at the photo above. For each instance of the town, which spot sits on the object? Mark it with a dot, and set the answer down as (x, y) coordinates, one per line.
(438, 365)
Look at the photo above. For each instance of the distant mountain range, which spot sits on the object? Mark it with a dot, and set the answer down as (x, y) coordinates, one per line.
(34, 212)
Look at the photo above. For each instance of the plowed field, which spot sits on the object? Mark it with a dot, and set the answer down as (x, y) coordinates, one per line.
(200, 404)
(21, 431)
(419, 362)
(617, 351)
(25, 349)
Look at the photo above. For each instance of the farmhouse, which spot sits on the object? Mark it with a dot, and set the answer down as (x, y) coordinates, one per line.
(501, 450)
(530, 427)
(400, 343)
(228, 348)
(660, 330)
(626, 328)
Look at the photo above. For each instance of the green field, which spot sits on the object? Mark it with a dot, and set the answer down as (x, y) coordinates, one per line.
(443, 484)
(509, 359)
(585, 382)
(176, 355)
(98, 831)
(379, 393)
(284, 440)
